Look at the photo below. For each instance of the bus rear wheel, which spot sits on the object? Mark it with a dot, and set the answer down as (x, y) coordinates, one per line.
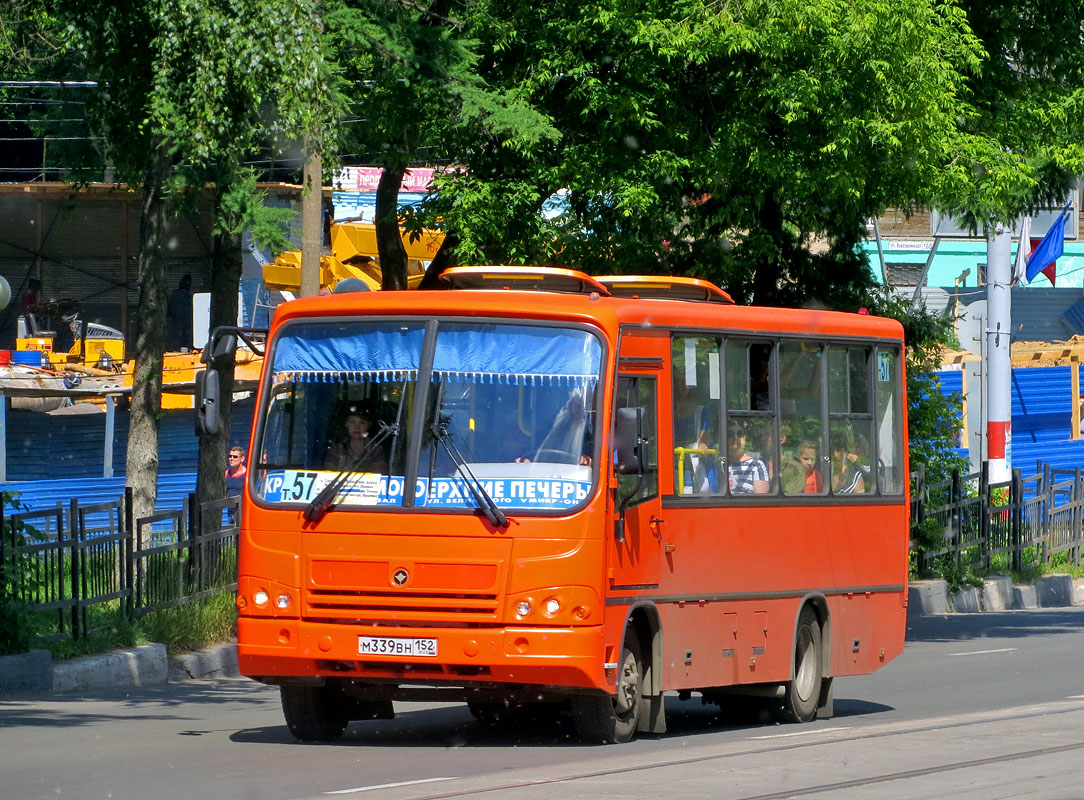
(802, 694)
(614, 719)
(314, 713)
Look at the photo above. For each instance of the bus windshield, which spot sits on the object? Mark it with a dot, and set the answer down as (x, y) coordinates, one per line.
(506, 408)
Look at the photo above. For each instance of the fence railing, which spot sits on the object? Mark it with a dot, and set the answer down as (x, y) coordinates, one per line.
(1024, 522)
(67, 560)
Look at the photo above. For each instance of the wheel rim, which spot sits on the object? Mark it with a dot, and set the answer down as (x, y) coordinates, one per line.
(805, 667)
(628, 687)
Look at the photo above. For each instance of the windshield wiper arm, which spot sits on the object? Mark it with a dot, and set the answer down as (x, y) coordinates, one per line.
(481, 496)
(322, 503)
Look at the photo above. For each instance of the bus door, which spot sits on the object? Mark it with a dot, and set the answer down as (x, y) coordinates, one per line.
(635, 547)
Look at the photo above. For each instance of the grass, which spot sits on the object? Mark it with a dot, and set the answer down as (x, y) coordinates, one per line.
(187, 627)
(194, 625)
(968, 571)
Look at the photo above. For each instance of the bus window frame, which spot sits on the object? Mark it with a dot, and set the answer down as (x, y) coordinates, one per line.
(873, 496)
(605, 379)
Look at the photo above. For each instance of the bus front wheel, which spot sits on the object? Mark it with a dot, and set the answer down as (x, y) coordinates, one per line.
(614, 719)
(314, 713)
(802, 694)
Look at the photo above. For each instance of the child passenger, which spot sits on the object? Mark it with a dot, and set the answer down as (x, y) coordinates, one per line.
(807, 455)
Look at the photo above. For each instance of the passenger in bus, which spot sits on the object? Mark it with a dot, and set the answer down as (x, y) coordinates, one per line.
(695, 430)
(847, 476)
(807, 457)
(357, 452)
(747, 475)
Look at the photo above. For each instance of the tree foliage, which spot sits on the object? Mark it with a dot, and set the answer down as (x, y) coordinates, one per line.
(745, 142)
(411, 73)
(1022, 133)
(188, 90)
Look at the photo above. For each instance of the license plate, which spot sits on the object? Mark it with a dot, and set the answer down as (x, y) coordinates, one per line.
(392, 646)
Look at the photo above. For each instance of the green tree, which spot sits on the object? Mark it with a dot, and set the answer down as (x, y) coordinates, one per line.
(188, 84)
(417, 96)
(747, 142)
(231, 77)
(1022, 133)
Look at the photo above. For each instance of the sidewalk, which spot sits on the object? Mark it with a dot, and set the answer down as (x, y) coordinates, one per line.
(36, 672)
(926, 598)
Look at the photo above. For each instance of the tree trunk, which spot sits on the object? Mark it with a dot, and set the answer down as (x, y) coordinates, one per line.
(225, 283)
(441, 261)
(769, 269)
(389, 241)
(141, 466)
(312, 227)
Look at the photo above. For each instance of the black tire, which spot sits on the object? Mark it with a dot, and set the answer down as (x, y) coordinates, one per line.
(803, 693)
(314, 713)
(613, 719)
(488, 712)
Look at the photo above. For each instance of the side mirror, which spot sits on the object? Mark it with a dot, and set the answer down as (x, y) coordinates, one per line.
(221, 349)
(628, 427)
(207, 399)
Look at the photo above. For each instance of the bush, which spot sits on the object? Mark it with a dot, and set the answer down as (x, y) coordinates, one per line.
(15, 630)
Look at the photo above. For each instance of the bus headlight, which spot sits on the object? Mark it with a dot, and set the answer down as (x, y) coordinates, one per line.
(282, 601)
(553, 605)
(523, 608)
(260, 598)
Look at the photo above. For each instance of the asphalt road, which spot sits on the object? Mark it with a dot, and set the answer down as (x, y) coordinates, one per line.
(985, 705)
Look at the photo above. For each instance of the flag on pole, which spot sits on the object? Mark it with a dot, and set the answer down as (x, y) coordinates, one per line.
(1023, 247)
(1044, 258)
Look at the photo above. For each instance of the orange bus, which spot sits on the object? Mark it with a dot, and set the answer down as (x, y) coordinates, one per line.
(542, 487)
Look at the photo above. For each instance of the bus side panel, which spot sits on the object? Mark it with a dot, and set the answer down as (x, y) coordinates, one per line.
(727, 643)
(734, 579)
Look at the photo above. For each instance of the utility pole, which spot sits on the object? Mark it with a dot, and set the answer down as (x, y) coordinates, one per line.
(998, 361)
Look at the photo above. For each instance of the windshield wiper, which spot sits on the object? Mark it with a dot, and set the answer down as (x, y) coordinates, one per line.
(481, 496)
(322, 503)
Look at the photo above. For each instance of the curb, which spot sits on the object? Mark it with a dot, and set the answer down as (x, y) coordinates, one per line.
(36, 672)
(149, 665)
(932, 598)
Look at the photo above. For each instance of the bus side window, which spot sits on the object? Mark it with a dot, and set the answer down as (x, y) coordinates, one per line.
(801, 431)
(850, 420)
(696, 383)
(887, 393)
(752, 449)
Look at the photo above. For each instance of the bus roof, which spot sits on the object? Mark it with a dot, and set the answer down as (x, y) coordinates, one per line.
(551, 295)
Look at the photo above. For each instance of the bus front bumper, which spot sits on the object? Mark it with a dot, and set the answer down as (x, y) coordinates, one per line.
(570, 657)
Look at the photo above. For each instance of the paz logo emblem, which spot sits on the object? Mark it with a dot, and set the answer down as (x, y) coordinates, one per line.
(400, 577)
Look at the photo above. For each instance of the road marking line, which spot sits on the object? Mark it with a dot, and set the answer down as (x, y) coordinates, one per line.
(803, 733)
(390, 785)
(1075, 697)
(985, 652)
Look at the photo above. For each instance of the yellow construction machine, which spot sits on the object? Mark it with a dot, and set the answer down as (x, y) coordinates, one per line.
(353, 255)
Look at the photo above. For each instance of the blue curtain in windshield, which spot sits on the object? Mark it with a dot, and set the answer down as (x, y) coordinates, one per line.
(515, 354)
(350, 351)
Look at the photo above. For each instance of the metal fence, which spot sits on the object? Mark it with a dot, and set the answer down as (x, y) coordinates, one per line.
(67, 559)
(1024, 522)
(71, 558)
